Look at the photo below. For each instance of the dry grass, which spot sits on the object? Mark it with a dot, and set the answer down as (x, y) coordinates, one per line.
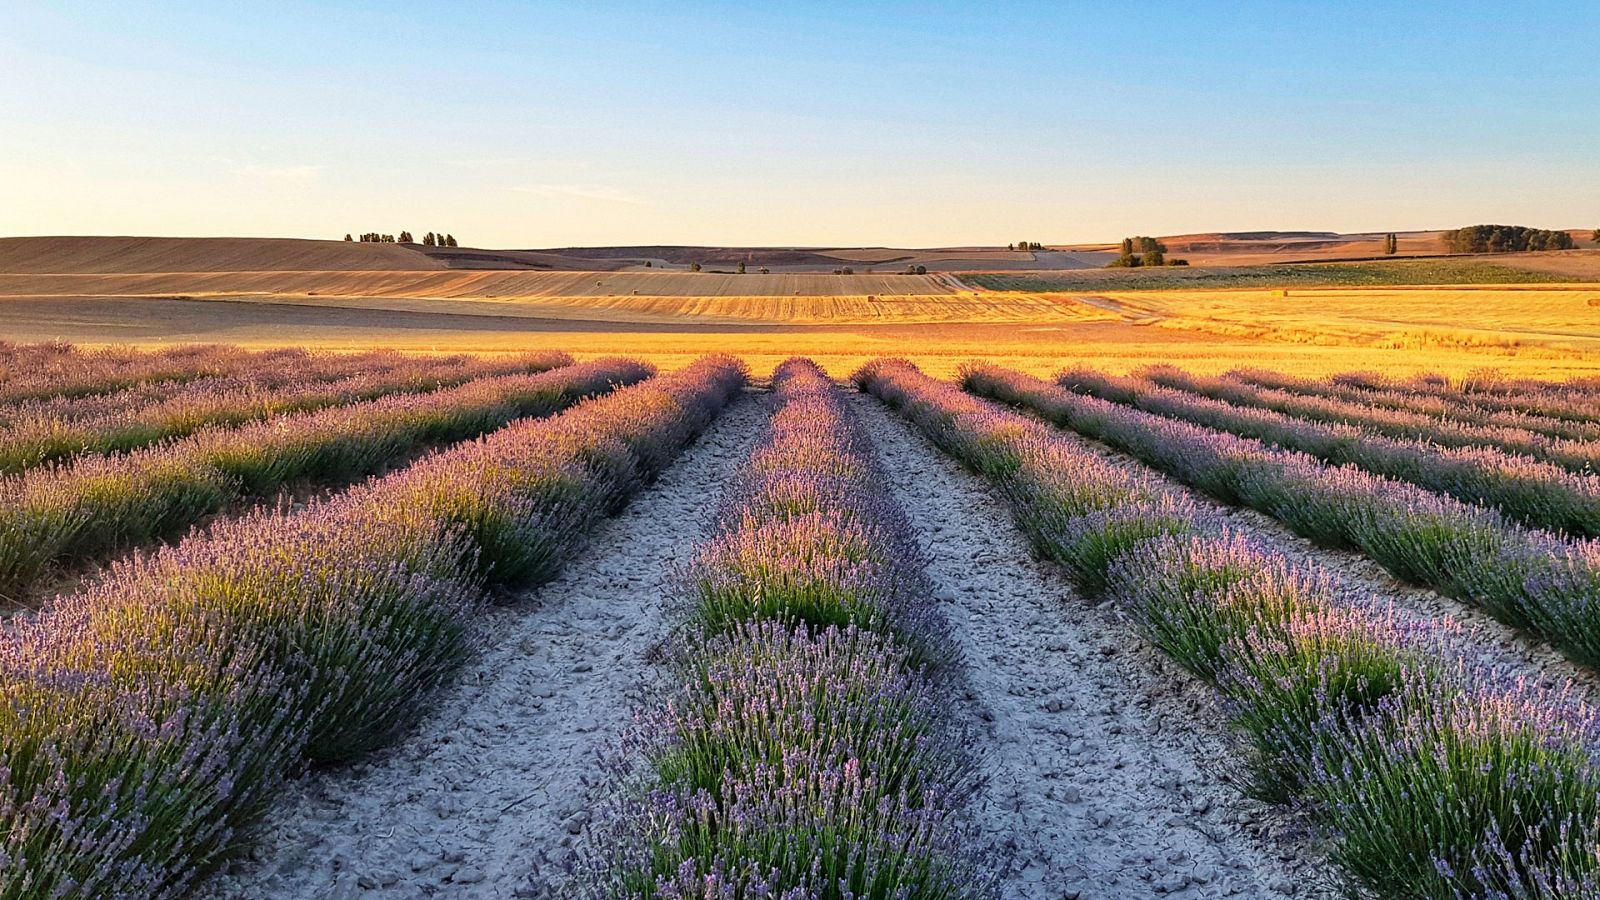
(1531, 320)
(1039, 346)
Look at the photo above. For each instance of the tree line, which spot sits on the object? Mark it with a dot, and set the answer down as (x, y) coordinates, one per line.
(428, 240)
(1140, 252)
(1504, 239)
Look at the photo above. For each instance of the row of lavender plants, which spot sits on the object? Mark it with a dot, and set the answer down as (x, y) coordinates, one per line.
(265, 370)
(1466, 408)
(1430, 779)
(150, 718)
(1574, 401)
(40, 371)
(1528, 579)
(45, 432)
(1538, 494)
(1576, 455)
(94, 507)
(806, 753)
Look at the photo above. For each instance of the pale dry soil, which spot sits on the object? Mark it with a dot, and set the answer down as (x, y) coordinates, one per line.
(1109, 771)
(488, 794)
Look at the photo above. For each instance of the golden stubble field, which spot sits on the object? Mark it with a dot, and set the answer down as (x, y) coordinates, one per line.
(1524, 330)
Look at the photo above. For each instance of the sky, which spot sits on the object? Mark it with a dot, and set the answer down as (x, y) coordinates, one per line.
(794, 124)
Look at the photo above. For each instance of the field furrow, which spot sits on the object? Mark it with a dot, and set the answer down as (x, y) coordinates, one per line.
(161, 711)
(1106, 769)
(1430, 778)
(486, 796)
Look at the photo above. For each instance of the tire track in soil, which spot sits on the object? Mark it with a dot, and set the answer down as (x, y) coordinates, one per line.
(486, 795)
(1110, 773)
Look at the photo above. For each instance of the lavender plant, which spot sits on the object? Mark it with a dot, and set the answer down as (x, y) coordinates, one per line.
(153, 716)
(806, 754)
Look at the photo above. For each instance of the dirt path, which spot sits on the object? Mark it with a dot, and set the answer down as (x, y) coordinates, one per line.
(1109, 773)
(488, 792)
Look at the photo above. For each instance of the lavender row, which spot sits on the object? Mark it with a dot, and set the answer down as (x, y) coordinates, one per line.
(1528, 579)
(42, 371)
(1538, 494)
(1464, 408)
(97, 506)
(1578, 456)
(39, 433)
(1574, 401)
(1429, 779)
(152, 717)
(806, 753)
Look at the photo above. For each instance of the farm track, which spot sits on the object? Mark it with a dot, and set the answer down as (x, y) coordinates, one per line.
(485, 797)
(1107, 766)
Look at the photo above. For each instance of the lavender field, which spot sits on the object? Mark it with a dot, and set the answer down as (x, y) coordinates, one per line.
(303, 624)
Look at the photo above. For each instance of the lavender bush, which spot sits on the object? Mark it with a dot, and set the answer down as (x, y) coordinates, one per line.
(49, 431)
(1529, 579)
(153, 715)
(806, 754)
(1431, 780)
(98, 506)
(1537, 493)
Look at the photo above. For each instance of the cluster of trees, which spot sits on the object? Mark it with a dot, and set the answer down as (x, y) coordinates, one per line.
(1143, 251)
(1025, 245)
(1504, 239)
(916, 270)
(1391, 244)
(428, 240)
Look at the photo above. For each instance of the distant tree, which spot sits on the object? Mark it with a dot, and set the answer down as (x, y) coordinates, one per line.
(347, 236)
(1595, 236)
(1504, 239)
(450, 240)
(1391, 244)
(1151, 245)
(1154, 258)
(1177, 262)
(694, 267)
(765, 271)
(847, 271)
(648, 264)
(427, 240)
(1124, 260)
(1011, 246)
(405, 238)
(922, 270)
(741, 267)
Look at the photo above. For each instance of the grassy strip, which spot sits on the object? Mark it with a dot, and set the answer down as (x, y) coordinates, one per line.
(147, 720)
(1431, 781)
(1464, 408)
(1538, 494)
(806, 753)
(1369, 274)
(1578, 456)
(46, 433)
(98, 506)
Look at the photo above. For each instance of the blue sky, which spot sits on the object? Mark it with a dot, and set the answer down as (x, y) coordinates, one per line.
(532, 124)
